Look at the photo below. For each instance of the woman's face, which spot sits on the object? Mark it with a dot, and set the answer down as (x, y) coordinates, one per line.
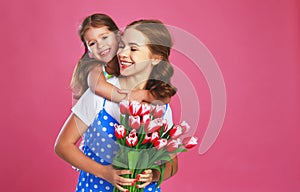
(134, 54)
(102, 43)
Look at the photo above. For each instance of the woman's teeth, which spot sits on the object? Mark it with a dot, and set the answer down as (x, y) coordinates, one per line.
(126, 63)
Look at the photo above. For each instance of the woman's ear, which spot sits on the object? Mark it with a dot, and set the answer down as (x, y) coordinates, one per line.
(156, 59)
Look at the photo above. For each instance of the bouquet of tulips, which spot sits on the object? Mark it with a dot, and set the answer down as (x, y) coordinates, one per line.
(145, 140)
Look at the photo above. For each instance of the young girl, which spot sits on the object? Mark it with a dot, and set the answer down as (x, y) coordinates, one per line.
(100, 36)
(143, 59)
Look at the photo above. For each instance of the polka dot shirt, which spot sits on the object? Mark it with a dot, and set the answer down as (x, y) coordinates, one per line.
(100, 145)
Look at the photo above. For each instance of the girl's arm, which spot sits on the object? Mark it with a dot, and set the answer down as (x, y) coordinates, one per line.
(98, 84)
(65, 147)
(142, 95)
(145, 95)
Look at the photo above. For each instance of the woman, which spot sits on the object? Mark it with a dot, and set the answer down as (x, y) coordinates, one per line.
(143, 57)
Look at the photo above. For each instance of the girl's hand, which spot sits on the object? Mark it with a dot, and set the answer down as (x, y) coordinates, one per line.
(141, 95)
(135, 95)
(147, 177)
(114, 176)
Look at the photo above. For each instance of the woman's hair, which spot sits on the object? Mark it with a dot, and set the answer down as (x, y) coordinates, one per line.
(160, 43)
(85, 64)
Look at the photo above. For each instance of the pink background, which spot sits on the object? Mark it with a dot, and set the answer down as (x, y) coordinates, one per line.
(256, 44)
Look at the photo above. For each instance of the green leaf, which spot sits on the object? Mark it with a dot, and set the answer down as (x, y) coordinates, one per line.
(143, 161)
(179, 150)
(158, 155)
(119, 164)
(166, 135)
(166, 158)
(162, 173)
(133, 157)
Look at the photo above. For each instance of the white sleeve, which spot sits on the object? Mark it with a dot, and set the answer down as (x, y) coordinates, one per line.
(87, 107)
(168, 116)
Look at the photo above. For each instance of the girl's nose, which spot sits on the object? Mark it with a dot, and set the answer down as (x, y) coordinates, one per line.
(100, 44)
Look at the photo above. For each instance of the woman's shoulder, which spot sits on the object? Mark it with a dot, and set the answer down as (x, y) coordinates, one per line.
(88, 106)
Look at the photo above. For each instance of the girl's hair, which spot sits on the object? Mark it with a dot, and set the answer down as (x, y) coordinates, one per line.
(160, 43)
(96, 20)
(85, 64)
(79, 82)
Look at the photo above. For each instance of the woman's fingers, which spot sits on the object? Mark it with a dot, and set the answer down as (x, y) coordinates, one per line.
(122, 180)
(123, 172)
(146, 177)
(143, 185)
(121, 188)
(125, 181)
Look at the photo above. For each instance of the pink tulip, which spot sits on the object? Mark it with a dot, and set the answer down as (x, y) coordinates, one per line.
(146, 108)
(160, 143)
(146, 120)
(176, 131)
(120, 131)
(132, 139)
(135, 108)
(173, 145)
(190, 142)
(159, 110)
(124, 106)
(154, 137)
(134, 122)
(147, 139)
(155, 125)
(165, 124)
(185, 126)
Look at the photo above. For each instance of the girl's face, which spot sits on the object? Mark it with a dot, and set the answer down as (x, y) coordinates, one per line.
(134, 55)
(102, 43)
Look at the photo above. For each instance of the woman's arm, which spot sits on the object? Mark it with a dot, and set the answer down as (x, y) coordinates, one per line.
(171, 168)
(98, 84)
(65, 147)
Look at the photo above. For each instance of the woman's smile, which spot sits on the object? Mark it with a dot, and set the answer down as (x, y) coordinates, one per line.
(125, 64)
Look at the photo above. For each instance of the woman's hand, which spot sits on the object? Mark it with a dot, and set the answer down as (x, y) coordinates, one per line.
(114, 176)
(147, 177)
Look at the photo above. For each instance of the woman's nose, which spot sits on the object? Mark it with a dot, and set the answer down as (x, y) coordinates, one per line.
(123, 52)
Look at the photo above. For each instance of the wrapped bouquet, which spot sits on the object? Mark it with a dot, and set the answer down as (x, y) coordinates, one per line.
(146, 141)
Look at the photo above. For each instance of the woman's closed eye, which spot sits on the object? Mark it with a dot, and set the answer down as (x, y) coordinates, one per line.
(133, 48)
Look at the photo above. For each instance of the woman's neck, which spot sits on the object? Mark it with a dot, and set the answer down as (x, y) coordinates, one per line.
(133, 82)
